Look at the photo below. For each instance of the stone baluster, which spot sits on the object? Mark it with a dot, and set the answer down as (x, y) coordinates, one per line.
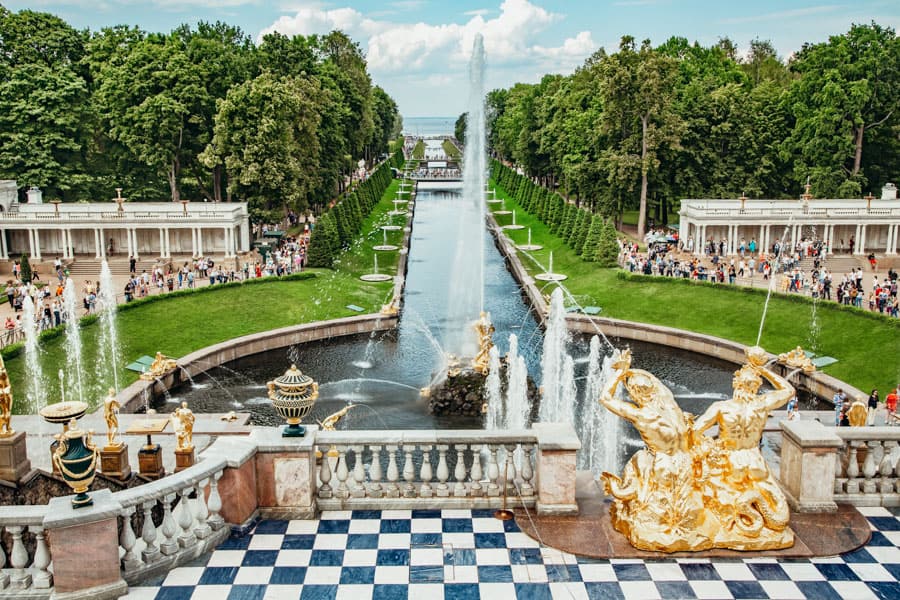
(4, 578)
(393, 473)
(459, 473)
(425, 491)
(202, 529)
(185, 519)
(169, 545)
(475, 474)
(869, 468)
(493, 472)
(214, 503)
(375, 490)
(148, 533)
(509, 471)
(409, 474)
(886, 468)
(839, 480)
(341, 472)
(852, 469)
(18, 559)
(527, 470)
(443, 472)
(127, 540)
(359, 473)
(43, 580)
(325, 477)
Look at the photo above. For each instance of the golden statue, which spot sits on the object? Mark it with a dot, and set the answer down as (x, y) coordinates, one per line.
(183, 424)
(159, 367)
(797, 359)
(485, 330)
(390, 309)
(111, 408)
(331, 420)
(689, 491)
(6, 402)
(858, 413)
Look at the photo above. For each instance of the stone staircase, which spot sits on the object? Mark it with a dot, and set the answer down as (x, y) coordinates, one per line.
(836, 263)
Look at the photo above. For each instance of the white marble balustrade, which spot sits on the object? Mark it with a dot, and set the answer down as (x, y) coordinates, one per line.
(24, 553)
(867, 467)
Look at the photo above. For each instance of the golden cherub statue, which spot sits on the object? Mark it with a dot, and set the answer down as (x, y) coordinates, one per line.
(485, 330)
(183, 424)
(111, 408)
(689, 491)
(6, 402)
(797, 359)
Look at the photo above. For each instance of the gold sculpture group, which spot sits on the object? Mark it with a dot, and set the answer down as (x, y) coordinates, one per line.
(688, 491)
(485, 329)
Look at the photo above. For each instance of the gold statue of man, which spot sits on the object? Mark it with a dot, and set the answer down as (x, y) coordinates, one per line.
(111, 408)
(6, 402)
(183, 424)
(485, 330)
(753, 511)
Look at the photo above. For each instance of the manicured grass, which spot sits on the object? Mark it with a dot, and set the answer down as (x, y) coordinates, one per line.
(183, 322)
(866, 345)
(418, 152)
(451, 150)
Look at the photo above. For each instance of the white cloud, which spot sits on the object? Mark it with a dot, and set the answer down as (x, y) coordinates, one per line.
(509, 38)
(478, 12)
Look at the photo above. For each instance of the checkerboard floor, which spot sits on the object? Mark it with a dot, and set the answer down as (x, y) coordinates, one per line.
(463, 554)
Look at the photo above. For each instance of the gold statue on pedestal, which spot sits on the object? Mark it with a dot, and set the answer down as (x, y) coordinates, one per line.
(183, 425)
(159, 367)
(689, 491)
(111, 408)
(6, 402)
(797, 359)
(485, 330)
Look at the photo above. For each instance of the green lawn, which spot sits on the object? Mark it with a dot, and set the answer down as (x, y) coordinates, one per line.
(867, 346)
(451, 150)
(182, 323)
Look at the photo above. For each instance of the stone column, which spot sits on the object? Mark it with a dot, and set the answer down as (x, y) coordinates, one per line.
(703, 240)
(102, 234)
(98, 243)
(199, 241)
(84, 544)
(856, 238)
(861, 241)
(227, 242)
(555, 468)
(245, 235)
(807, 474)
(286, 473)
(37, 243)
(4, 251)
(193, 241)
(892, 239)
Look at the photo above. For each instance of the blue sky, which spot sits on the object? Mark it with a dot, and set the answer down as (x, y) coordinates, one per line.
(418, 49)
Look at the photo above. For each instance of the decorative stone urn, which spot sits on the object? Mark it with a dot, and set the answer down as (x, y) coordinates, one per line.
(293, 396)
(76, 458)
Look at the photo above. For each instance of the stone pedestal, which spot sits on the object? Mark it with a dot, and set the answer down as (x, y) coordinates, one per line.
(14, 463)
(807, 465)
(85, 548)
(184, 458)
(114, 461)
(555, 468)
(150, 462)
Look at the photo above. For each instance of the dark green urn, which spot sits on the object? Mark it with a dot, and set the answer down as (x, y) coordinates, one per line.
(76, 459)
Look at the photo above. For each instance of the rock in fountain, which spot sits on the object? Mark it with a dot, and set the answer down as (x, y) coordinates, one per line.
(549, 275)
(529, 247)
(375, 276)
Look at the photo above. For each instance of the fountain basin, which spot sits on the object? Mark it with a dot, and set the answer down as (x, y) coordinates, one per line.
(502, 212)
(513, 227)
(529, 247)
(375, 277)
(551, 277)
(391, 227)
(385, 247)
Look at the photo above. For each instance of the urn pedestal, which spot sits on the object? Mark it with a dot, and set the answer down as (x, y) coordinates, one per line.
(14, 463)
(150, 462)
(114, 461)
(184, 458)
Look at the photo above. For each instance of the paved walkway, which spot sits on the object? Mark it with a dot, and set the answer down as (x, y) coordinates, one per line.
(464, 554)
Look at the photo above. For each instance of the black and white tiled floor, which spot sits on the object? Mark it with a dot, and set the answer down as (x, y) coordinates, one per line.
(462, 554)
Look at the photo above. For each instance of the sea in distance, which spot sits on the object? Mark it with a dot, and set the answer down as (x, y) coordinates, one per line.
(428, 125)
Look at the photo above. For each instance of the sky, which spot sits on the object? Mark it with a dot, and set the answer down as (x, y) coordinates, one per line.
(418, 50)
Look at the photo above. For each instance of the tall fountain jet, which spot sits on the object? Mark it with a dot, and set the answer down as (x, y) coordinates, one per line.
(467, 279)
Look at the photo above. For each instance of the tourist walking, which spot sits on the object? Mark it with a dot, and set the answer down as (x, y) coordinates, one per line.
(890, 407)
(838, 400)
(873, 406)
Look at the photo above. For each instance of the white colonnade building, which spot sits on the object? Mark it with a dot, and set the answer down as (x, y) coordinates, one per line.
(872, 223)
(98, 229)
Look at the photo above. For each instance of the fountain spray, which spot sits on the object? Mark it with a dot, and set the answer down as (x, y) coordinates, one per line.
(73, 340)
(109, 336)
(33, 369)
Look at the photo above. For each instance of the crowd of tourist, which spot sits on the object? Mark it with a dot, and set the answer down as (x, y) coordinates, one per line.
(440, 173)
(669, 257)
(873, 405)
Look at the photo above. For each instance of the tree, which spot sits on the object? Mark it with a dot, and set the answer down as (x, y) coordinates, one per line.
(607, 251)
(638, 94)
(25, 269)
(459, 128)
(589, 250)
(323, 243)
(846, 91)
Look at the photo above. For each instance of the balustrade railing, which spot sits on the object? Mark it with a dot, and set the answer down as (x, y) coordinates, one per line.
(867, 467)
(453, 469)
(24, 553)
(170, 519)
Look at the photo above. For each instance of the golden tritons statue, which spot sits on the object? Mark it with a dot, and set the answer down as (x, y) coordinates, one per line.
(797, 359)
(111, 408)
(687, 490)
(159, 367)
(485, 330)
(6, 402)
